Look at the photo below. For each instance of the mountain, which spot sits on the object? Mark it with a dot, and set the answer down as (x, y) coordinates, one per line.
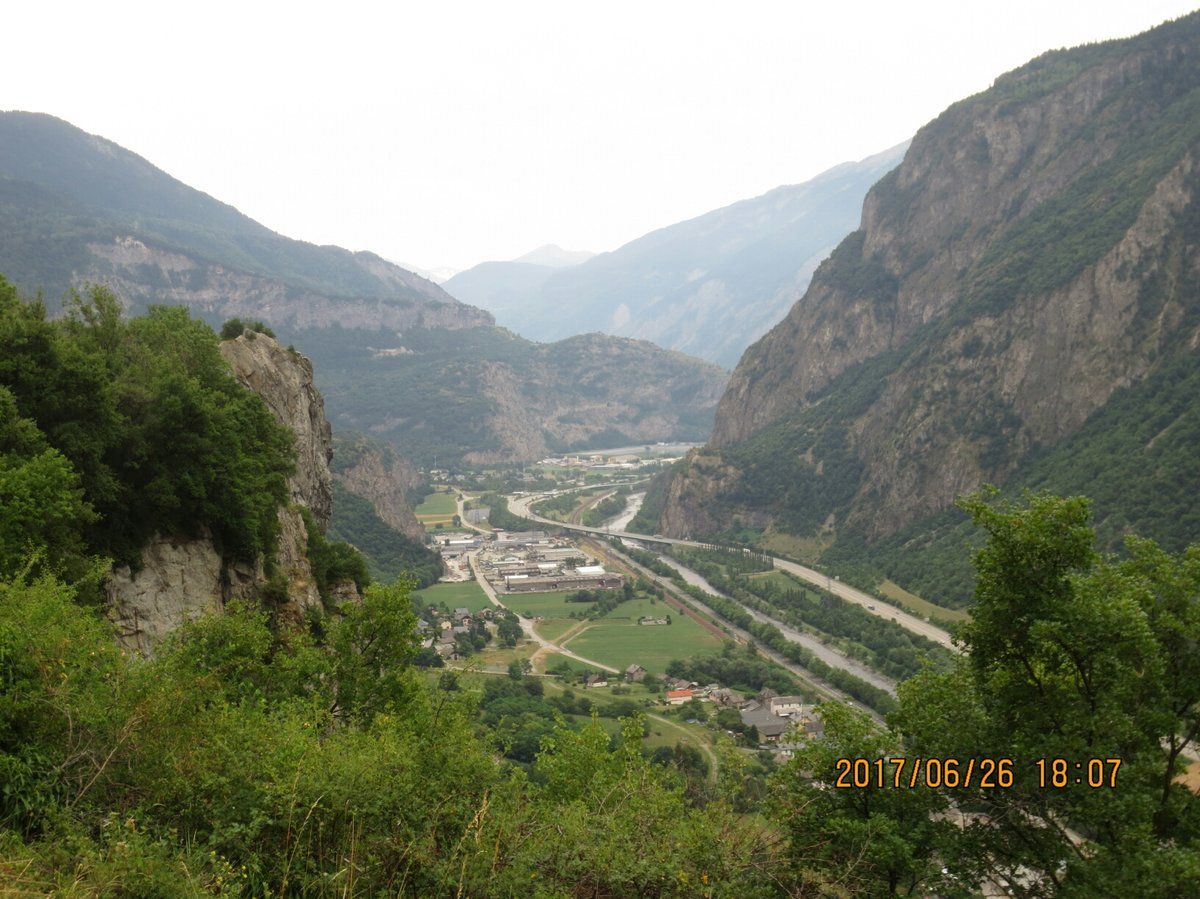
(485, 396)
(1019, 307)
(77, 208)
(553, 256)
(504, 288)
(709, 286)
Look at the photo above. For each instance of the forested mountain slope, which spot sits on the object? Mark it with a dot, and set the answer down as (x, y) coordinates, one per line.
(708, 286)
(74, 207)
(1019, 307)
(399, 357)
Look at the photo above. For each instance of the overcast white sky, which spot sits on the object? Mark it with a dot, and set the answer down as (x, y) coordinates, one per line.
(447, 133)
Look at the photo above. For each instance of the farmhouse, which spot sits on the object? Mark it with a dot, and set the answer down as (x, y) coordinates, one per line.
(635, 673)
(679, 697)
(770, 726)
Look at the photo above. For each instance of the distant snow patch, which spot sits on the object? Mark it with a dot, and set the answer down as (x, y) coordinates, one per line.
(621, 316)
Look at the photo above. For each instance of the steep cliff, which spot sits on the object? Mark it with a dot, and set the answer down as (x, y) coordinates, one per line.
(377, 474)
(178, 579)
(284, 380)
(1035, 253)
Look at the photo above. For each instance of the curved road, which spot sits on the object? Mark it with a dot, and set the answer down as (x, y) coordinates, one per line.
(874, 605)
(527, 625)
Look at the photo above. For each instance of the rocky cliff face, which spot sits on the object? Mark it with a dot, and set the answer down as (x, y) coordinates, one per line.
(144, 272)
(381, 477)
(284, 380)
(1030, 256)
(179, 580)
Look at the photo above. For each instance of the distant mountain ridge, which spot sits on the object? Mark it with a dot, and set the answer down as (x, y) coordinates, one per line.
(708, 286)
(1020, 307)
(554, 256)
(76, 207)
(396, 355)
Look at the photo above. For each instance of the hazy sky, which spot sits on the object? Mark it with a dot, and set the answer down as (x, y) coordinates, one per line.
(446, 133)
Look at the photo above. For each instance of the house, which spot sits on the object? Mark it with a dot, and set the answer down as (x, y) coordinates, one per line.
(785, 705)
(595, 680)
(679, 697)
(462, 614)
(675, 683)
(727, 698)
(770, 726)
(635, 673)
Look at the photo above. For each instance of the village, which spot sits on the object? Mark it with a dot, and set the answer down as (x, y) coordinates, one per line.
(550, 605)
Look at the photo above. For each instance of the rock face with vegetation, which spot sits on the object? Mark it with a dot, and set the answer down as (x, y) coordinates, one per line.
(1031, 262)
(177, 580)
(284, 380)
(485, 395)
(78, 208)
(376, 473)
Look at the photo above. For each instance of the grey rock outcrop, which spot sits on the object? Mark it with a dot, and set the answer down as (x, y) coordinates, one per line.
(176, 580)
(1030, 256)
(284, 380)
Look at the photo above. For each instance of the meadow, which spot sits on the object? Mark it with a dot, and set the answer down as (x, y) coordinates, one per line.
(437, 508)
(464, 594)
(618, 640)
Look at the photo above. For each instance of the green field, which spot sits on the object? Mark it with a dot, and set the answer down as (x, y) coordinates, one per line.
(553, 628)
(618, 639)
(437, 508)
(922, 607)
(548, 605)
(467, 594)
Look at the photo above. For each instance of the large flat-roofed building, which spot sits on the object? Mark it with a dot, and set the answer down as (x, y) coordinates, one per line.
(533, 584)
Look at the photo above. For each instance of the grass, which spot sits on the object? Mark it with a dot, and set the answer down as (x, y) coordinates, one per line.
(437, 508)
(779, 578)
(553, 628)
(465, 594)
(618, 639)
(804, 549)
(919, 606)
(548, 605)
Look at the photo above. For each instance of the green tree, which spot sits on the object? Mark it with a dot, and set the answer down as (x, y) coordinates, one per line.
(873, 841)
(373, 644)
(1069, 656)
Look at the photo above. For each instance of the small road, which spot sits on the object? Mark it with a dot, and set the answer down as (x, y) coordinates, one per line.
(874, 605)
(527, 625)
(690, 739)
(462, 515)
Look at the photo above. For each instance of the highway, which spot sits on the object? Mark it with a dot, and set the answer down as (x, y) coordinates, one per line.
(520, 505)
